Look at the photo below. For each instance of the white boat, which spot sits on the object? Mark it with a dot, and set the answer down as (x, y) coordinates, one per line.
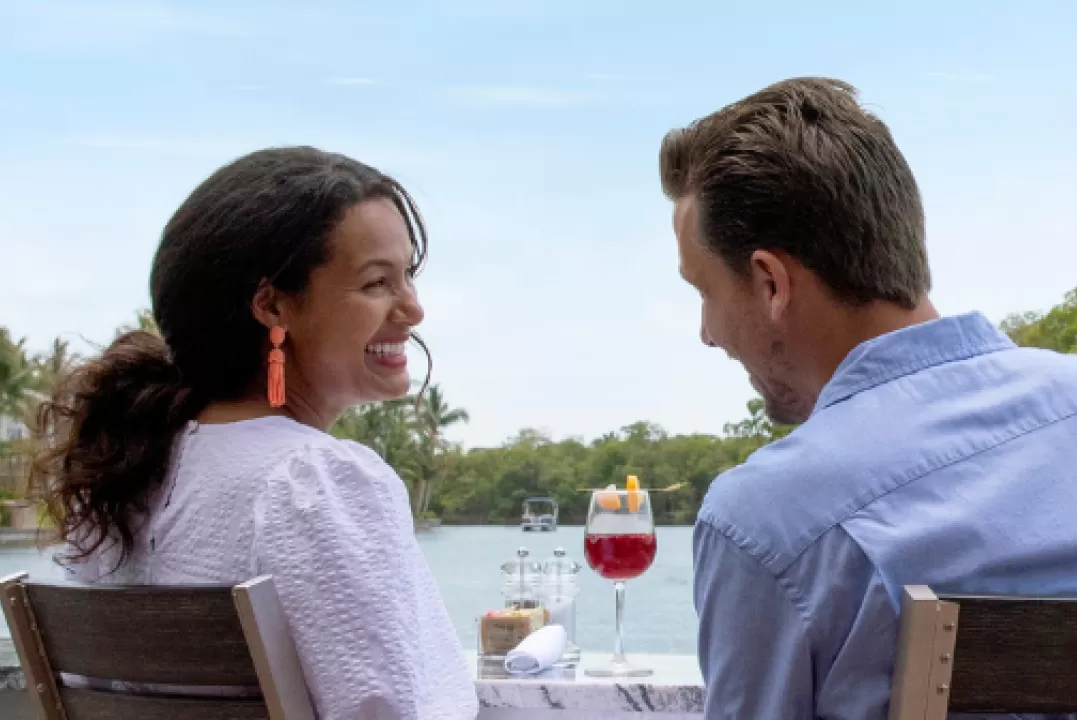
(540, 513)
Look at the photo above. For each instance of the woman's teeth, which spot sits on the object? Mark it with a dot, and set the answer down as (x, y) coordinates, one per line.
(386, 349)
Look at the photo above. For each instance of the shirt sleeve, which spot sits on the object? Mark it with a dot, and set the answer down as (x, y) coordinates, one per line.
(329, 534)
(753, 645)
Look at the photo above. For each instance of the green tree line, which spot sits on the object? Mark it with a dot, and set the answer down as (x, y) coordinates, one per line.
(489, 485)
(1054, 330)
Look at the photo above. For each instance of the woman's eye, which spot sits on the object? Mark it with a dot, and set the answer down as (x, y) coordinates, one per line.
(379, 283)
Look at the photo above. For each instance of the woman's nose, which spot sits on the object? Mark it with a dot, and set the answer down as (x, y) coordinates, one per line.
(409, 310)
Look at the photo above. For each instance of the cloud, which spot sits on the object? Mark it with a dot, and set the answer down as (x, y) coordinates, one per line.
(83, 25)
(351, 81)
(146, 17)
(961, 77)
(159, 145)
(385, 153)
(516, 96)
(115, 25)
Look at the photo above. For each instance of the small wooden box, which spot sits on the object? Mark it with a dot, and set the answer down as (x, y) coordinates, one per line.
(502, 630)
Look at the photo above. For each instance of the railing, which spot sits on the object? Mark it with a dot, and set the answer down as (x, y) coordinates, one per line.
(14, 471)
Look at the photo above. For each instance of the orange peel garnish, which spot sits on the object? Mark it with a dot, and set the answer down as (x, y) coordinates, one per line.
(635, 498)
(609, 499)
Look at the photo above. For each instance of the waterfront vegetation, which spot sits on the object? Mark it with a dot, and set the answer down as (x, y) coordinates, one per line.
(488, 485)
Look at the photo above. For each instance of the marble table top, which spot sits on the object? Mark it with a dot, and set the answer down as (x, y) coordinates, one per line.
(675, 687)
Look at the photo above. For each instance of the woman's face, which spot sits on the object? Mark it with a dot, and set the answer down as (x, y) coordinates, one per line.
(346, 334)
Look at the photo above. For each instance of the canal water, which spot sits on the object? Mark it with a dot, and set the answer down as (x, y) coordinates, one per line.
(465, 561)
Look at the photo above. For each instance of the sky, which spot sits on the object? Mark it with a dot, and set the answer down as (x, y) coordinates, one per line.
(528, 132)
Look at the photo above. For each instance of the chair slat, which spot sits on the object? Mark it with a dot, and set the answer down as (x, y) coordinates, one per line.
(916, 646)
(166, 635)
(97, 705)
(1015, 655)
(40, 680)
(271, 647)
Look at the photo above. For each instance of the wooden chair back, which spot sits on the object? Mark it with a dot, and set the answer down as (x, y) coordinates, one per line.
(91, 652)
(984, 655)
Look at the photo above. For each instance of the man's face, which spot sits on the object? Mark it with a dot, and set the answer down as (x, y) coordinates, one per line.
(742, 315)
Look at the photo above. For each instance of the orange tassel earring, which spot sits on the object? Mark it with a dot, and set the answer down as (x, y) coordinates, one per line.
(276, 368)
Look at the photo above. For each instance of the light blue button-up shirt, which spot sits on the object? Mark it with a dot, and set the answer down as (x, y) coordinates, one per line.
(940, 454)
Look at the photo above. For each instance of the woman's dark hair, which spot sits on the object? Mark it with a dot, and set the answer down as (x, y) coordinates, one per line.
(110, 425)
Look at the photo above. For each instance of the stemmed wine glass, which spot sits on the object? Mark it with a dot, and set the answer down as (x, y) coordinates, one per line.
(620, 544)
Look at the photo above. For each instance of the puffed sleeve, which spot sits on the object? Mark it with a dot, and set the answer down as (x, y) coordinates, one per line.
(329, 532)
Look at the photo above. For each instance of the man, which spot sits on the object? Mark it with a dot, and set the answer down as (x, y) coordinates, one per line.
(932, 450)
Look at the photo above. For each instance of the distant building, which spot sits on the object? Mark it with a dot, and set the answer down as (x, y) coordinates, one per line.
(12, 429)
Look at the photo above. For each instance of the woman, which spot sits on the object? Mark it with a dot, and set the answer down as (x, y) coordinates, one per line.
(283, 290)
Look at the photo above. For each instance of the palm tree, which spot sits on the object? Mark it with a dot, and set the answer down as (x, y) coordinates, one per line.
(433, 417)
(144, 322)
(407, 434)
(16, 376)
(51, 366)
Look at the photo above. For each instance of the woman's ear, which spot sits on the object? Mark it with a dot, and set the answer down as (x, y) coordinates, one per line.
(266, 305)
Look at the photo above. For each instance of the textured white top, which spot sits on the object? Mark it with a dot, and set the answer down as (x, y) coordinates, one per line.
(330, 521)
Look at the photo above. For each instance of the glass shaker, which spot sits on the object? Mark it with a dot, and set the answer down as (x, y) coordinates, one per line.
(560, 586)
(520, 584)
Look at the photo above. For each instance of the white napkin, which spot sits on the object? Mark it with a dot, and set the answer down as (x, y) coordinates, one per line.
(539, 650)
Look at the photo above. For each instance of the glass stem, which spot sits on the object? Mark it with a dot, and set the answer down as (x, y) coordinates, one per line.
(619, 640)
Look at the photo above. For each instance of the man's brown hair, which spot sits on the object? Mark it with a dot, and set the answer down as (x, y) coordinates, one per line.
(801, 167)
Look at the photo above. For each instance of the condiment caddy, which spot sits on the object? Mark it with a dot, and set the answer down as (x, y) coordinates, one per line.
(533, 596)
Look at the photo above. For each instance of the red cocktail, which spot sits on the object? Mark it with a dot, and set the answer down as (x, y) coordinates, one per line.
(620, 544)
(620, 557)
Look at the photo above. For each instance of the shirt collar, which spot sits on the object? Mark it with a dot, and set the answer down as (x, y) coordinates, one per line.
(910, 350)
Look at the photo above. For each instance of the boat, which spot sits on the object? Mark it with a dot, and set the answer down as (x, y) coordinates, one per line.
(540, 513)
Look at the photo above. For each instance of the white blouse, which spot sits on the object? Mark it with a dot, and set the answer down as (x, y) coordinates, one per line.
(330, 521)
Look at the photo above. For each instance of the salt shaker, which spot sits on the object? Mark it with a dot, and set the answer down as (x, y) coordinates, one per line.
(520, 581)
(559, 589)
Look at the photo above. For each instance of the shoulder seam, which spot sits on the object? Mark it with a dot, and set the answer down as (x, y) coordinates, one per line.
(750, 550)
(784, 560)
(1019, 432)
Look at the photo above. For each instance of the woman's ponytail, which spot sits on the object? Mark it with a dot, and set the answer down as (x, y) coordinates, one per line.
(106, 438)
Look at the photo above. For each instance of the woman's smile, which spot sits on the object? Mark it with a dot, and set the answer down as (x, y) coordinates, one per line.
(387, 354)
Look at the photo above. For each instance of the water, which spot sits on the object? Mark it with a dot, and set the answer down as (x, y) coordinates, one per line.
(659, 615)
(466, 563)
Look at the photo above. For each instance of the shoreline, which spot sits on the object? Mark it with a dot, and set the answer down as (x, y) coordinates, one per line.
(18, 539)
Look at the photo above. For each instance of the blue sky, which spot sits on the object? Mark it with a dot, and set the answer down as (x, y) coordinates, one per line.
(528, 131)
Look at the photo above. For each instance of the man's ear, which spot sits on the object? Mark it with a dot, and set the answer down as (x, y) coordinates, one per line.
(267, 306)
(772, 281)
